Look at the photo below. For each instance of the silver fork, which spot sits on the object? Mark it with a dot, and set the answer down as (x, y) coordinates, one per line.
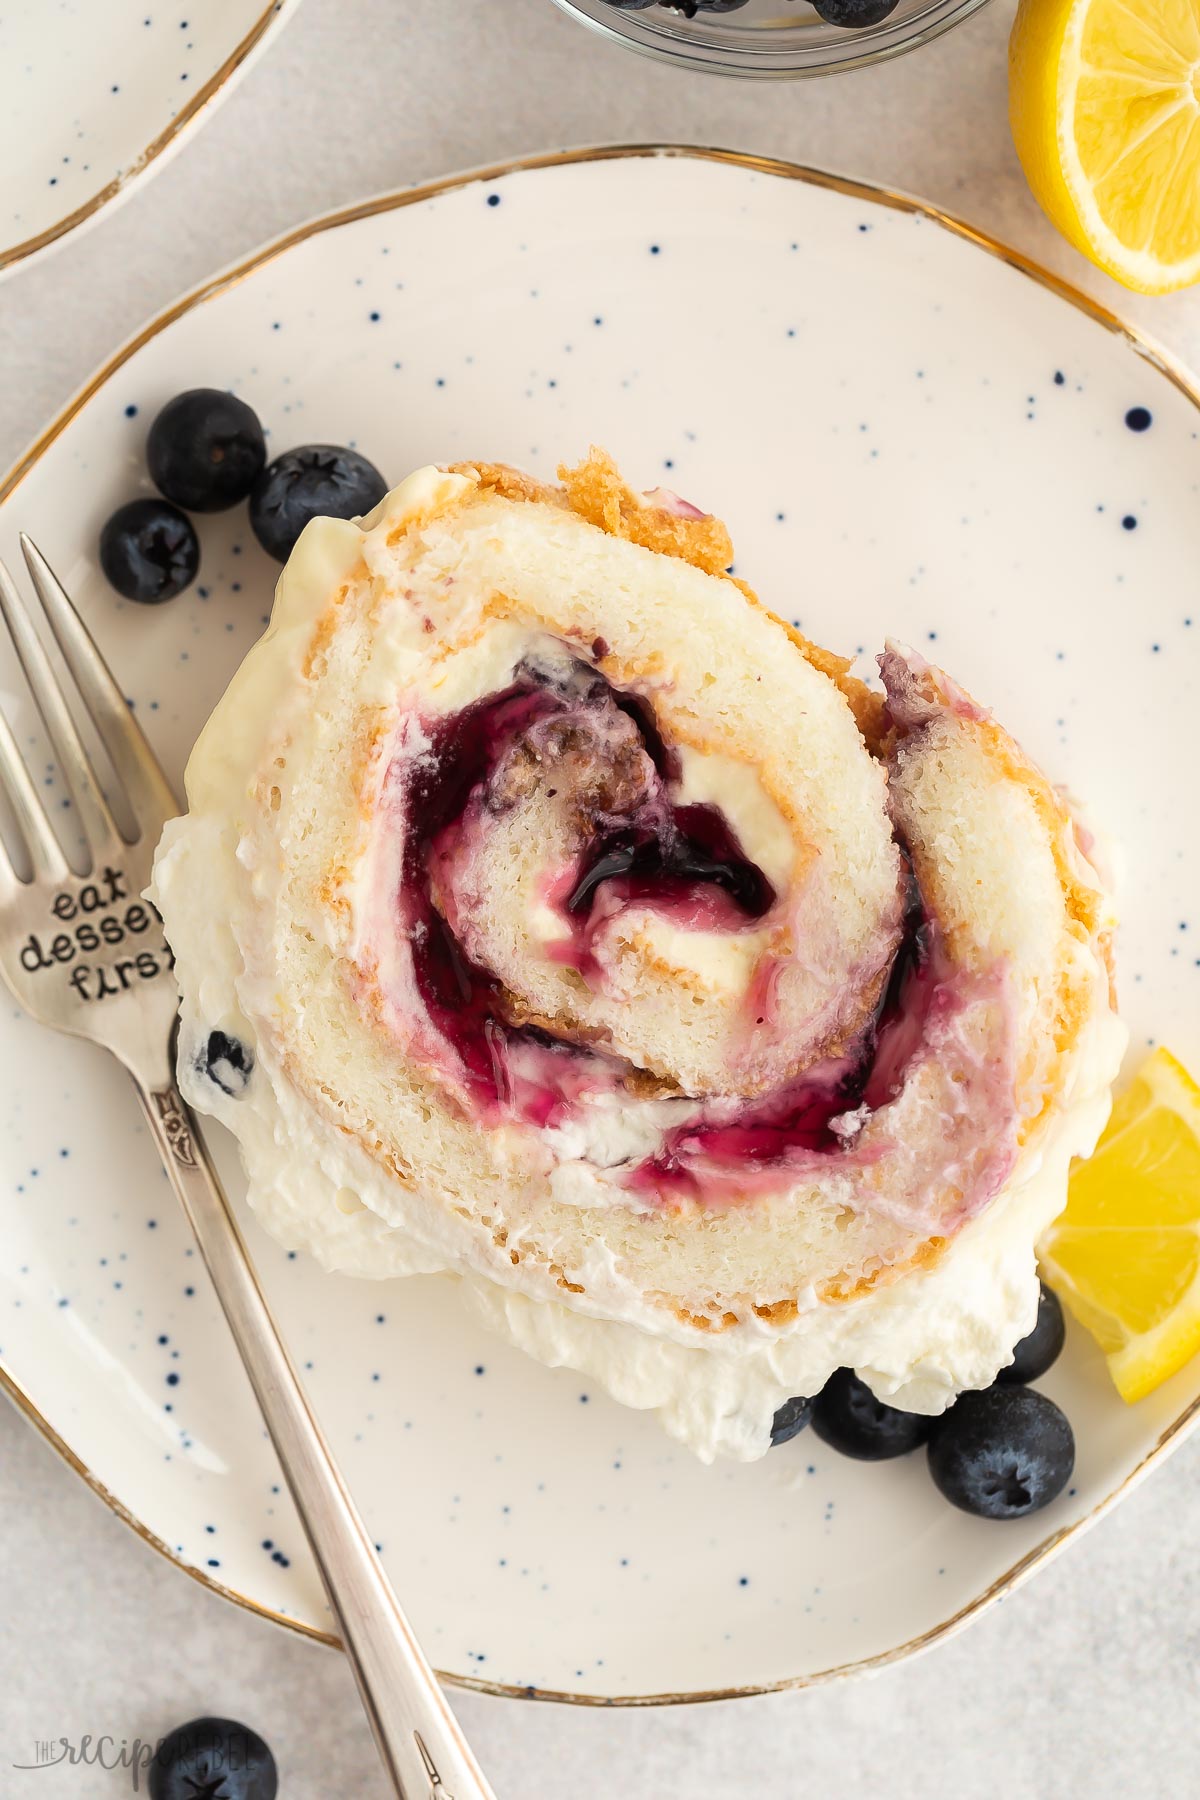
(121, 995)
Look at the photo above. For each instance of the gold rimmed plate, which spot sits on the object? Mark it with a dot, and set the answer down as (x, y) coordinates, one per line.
(100, 94)
(910, 430)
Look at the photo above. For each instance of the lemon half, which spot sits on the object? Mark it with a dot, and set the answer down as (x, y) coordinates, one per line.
(1104, 103)
(1125, 1254)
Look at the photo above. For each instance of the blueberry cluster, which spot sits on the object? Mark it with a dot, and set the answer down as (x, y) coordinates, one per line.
(851, 15)
(205, 452)
(1000, 1453)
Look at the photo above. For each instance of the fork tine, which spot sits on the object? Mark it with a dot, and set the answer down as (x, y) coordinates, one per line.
(45, 852)
(97, 823)
(141, 775)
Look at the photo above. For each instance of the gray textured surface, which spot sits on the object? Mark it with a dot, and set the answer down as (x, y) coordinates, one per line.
(1084, 1685)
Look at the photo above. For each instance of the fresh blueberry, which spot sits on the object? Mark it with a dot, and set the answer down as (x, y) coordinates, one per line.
(854, 15)
(1035, 1353)
(317, 481)
(791, 1419)
(149, 551)
(205, 450)
(228, 1063)
(1002, 1453)
(212, 1759)
(847, 1416)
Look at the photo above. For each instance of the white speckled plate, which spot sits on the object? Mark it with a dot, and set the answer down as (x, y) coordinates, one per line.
(907, 432)
(98, 93)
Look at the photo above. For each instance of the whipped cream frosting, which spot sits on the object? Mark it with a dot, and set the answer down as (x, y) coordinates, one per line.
(917, 1340)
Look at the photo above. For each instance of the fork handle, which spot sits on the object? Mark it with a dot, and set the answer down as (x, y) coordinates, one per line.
(419, 1739)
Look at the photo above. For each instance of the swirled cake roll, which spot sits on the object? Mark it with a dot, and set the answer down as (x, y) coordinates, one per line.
(549, 913)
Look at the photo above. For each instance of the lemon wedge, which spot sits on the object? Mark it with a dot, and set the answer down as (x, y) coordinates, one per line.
(1104, 103)
(1125, 1254)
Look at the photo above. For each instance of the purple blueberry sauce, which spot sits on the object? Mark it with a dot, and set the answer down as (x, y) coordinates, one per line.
(684, 860)
(461, 998)
(796, 1123)
(679, 850)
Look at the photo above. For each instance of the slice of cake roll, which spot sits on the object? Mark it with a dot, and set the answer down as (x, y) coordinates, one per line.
(550, 913)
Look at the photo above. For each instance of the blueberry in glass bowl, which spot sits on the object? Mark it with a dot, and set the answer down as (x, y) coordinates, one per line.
(778, 39)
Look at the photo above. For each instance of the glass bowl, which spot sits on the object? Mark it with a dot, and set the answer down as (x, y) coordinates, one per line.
(769, 38)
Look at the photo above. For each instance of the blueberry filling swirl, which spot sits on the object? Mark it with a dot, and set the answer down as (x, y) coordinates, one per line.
(569, 736)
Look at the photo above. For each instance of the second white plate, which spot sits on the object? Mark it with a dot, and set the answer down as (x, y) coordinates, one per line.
(97, 94)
